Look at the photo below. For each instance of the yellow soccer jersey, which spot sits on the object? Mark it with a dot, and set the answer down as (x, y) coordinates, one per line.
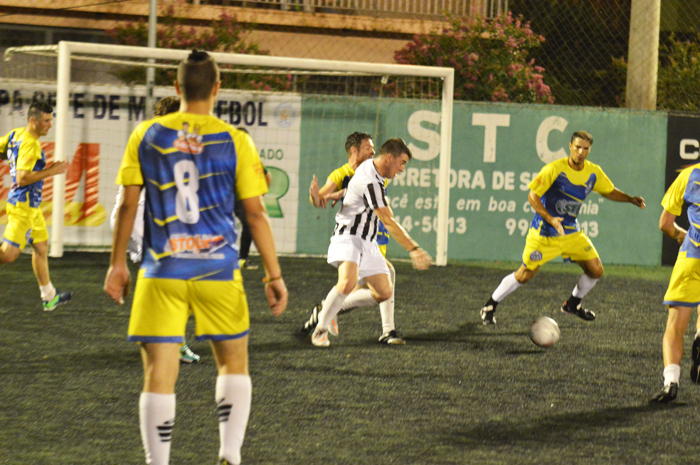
(194, 168)
(686, 188)
(341, 177)
(23, 152)
(562, 191)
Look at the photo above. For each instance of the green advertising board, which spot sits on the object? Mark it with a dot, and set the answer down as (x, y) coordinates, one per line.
(496, 151)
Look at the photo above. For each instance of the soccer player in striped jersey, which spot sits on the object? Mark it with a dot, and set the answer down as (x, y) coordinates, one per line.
(359, 147)
(683, 293)
(190, 260)
(354, 250)
(25, 220)
(556, 195)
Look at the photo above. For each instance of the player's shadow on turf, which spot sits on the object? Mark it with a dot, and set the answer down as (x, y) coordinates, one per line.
(549, 429)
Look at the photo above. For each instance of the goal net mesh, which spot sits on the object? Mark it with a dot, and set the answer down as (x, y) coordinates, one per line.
(299, 119)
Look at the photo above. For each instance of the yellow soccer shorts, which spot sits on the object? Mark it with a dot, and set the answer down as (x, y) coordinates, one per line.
(25, 224)
(161, 308)
(684, 287)
(573, 247)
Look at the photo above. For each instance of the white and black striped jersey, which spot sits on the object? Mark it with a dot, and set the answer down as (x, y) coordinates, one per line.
(364, 194)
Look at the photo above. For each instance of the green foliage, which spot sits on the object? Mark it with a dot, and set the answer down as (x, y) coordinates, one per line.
(491, 59)
(224, 35)
(678, 75)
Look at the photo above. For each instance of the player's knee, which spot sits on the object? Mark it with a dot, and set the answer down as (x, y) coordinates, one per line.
(383, 294)
(346, 286)
(595, 273)
(525, 276)
(8, 254)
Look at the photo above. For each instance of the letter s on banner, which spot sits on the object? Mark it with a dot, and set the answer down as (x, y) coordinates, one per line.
(423, 134)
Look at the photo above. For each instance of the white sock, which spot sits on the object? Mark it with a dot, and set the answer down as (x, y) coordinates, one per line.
(697, 335)
(48, 292)
(331, 307)
(584, 285)
(359, 298)
(386, 308)
(672, 374)
(233, 397)
(156, 418)
(507, 286)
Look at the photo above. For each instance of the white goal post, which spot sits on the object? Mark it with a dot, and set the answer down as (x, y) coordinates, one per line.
(68, 51)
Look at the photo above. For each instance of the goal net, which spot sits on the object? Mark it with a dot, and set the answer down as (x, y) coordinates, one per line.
(298, 111)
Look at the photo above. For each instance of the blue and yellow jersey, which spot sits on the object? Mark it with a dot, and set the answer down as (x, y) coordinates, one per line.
(23, 153)
(686, 188)
(194, 168)
(341, 177)
(563, 190)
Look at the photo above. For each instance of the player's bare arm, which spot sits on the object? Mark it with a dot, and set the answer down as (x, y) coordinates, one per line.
(335, 197)
(419, 257)
(118, 279)
(275, 289)
(538, 206)
(318, 197)
(667, 224)
(618, 196)
(26, 177)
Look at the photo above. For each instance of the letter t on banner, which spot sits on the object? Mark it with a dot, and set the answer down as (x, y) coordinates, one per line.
(491, 122)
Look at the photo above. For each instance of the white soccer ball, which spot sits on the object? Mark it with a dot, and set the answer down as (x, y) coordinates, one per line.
(544, 332)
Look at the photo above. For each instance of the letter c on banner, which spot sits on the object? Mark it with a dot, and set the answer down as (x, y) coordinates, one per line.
(548, 125)
(689, 154)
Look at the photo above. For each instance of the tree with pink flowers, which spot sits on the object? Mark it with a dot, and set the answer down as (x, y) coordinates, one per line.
(491, 58)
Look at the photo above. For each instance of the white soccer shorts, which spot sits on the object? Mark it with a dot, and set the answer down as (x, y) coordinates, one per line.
(366, 254)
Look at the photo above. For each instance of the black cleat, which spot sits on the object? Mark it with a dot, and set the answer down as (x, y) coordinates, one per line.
(695, 355)
(579, 311)
(666, 395)
(310, 325)
(391, 338)
(488, 315)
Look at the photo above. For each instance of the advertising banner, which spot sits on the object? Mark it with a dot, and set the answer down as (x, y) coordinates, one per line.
(101, 119)
(497, 149)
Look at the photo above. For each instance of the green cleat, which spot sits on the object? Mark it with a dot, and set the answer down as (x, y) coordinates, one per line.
(59, 299)
(187, 356)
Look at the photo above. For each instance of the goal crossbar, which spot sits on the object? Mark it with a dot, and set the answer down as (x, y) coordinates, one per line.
(66, 51)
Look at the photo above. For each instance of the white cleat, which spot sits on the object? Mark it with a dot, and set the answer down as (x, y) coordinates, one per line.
(320, 338)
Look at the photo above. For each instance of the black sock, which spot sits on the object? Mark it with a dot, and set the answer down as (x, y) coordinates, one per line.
(573, 302)
(491, 302)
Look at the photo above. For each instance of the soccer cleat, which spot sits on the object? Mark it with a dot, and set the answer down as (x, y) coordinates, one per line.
(579, 311)
(333, 328)
(248, 264)
(391, 338)
(59, 299)
(666, 395)
(488, 315)
(695, 355)
(187, 356)
(320, 338)
(310, 325)
(225, 462)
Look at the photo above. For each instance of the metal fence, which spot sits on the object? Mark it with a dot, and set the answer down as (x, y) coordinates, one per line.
(395, 8)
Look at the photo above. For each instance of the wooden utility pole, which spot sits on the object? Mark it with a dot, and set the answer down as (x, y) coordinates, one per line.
(643, 56)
